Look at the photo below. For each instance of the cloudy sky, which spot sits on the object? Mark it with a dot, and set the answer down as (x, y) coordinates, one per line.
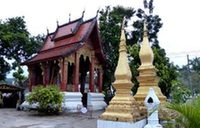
(179, 35)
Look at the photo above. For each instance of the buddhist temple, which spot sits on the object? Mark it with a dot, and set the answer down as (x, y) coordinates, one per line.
(147, 72)
(72, 58)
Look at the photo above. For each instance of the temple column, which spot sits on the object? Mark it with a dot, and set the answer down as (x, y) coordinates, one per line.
(91, 83)
(42, 66)
(45, 73)
(31, 77)
(64, 70)
(76, 73)
(100, 79)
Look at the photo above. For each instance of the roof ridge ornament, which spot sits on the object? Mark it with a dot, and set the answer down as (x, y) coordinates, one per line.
(57, 22)
(97, 12)
(69, 17)
(83, 13)
(47, 31)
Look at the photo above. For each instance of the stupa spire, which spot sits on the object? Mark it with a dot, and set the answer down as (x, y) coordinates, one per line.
(123, 70)
(122, 45)
(146, 53)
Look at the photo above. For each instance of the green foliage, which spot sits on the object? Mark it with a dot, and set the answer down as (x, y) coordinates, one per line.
(190, 75)
(16, 43)
(189, 114)
(19, 77)
(4, 68)
(166, 70)
(179, 93)
(195, 63)
(49, 98)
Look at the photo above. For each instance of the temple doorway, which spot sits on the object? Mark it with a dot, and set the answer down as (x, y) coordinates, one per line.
(38, 75)
(84, 78)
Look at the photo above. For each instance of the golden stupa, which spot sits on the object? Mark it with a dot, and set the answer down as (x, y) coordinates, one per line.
(123, 106)
(147, 72)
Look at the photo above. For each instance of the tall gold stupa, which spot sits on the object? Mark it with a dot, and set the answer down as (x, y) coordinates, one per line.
(123, 106)
(147, 72)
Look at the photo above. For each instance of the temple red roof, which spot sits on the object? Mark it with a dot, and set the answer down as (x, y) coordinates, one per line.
(67, 30)
(67, 39)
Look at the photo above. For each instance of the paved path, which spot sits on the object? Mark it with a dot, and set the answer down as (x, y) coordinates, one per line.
(11, 118)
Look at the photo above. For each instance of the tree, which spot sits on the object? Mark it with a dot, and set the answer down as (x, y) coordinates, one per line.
(179, 92)
(19, 77)
(195, 63)
(110, 27)
(16, 44)
(4, 68)
(190, 74)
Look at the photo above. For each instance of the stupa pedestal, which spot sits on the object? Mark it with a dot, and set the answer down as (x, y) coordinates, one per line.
(123, 110)
(148, 79)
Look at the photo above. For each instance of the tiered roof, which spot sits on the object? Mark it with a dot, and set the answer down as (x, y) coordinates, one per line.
(67, 39)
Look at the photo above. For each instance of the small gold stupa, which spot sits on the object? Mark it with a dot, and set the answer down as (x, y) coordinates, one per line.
(147, 72)
(123, 106)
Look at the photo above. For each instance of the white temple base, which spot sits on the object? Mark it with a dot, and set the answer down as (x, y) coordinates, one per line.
(117, 124)
(95, 101)
(72, 101)
(26, 106)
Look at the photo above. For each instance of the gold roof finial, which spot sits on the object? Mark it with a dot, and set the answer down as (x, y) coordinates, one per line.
(69, 17)
(47, 31)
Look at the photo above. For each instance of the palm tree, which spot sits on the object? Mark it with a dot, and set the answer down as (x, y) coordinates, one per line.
(189, 114)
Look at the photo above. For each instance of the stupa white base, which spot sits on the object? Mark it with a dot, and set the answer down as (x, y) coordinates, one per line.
(26, 106)
(96, 101)
(117, 124)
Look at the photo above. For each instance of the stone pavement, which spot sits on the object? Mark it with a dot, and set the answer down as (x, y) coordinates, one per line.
(11, 118)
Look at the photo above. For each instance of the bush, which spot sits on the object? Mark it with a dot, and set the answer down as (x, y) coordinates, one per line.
(49, 99)
(189, 114)
(179, 93)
